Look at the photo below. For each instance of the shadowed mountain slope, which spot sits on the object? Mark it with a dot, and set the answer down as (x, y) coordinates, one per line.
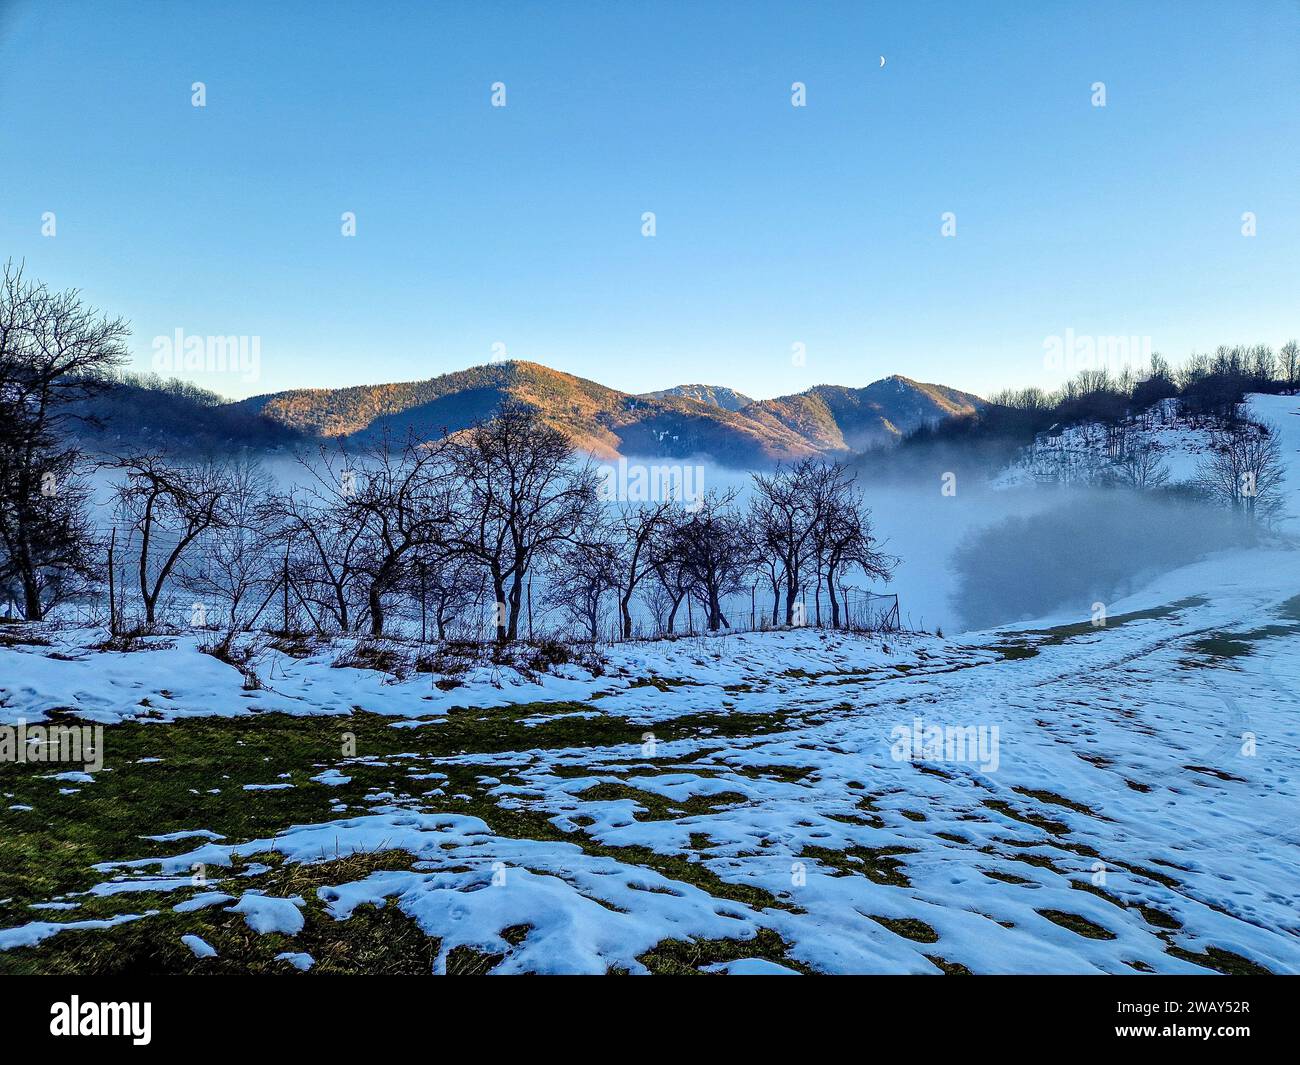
(827, 420)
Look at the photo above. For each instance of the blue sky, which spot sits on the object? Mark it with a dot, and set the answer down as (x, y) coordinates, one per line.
(776, 225)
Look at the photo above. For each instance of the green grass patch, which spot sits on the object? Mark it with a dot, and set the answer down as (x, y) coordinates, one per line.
(1077, 924)
(908, 927)
(1221, 961)
(688, 957)
(877, 864)
(657, 807)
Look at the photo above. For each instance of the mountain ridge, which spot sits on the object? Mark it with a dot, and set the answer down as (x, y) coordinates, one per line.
(714, 395)
(681, 422)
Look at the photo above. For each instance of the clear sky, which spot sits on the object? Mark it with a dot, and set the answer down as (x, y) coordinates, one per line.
(775, 225)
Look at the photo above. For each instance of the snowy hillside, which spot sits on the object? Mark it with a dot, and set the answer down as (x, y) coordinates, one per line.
(1283, 414)
(1080, 455)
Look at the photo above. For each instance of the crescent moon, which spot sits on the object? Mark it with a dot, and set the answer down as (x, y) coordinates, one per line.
(882, 61)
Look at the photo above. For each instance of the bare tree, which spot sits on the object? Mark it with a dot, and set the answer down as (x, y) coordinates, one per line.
(844, 537)
(170, 507)
(446, 584)
(1261, 363)
(768, 566)
(240, 564)
(1289, 363)
(674, 580)
(403, 503)
(54, 352)
(1245, 471)
(322, 545)
(587, 570)
(521, 497)
(713, 550)
(637, 526)
(1141, 467)
(784, 515)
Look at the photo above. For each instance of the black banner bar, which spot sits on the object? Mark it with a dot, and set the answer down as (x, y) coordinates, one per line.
(342, 1013)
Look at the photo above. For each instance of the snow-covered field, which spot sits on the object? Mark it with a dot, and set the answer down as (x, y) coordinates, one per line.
(1129, 804)
(1060, 796)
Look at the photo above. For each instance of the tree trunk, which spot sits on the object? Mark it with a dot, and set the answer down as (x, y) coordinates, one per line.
(672, 615)
(516, 600)
(375, 598)
(835, 603)
(499, 607)
(146, 531)
(341, 599)
(32, 610)
(715, 610)
(623, 603)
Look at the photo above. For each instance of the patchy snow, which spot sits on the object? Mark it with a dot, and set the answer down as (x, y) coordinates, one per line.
(299, 961)
(118, 887)
(750, 967)
(203, 901)
(1121, 795)
(28, 935)
(263, 913)
(196, 833)
(177, 681)
(200, 948)
(174, 680)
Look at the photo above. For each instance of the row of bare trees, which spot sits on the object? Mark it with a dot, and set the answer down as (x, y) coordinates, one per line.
(447, 520)
(466, 519)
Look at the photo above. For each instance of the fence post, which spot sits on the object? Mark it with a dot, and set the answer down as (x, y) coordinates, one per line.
(424, 604)
(112, 589)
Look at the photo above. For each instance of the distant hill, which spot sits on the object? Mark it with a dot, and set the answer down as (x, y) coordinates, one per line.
(598, 419)
(711, 395)
(691, 421)
(137, 413)
(834, 418)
